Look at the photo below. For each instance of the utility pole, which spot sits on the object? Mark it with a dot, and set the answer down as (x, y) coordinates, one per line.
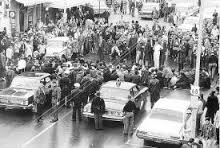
(195, 88)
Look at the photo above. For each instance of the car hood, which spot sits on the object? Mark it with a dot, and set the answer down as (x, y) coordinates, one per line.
(160, 128)
(16, 92)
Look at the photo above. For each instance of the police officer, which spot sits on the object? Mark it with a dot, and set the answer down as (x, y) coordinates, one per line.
(65, 88)
(98, 108)
(40, 100)
(56, 96)
(76, 102)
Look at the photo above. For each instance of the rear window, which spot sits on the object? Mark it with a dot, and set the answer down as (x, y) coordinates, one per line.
(169, 115)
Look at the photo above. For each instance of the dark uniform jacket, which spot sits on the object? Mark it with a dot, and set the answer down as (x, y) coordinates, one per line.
(98, 106)
(76, 96)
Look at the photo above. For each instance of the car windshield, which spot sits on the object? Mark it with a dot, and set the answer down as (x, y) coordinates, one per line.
(114, 94)
(25, 83)
(169, 115)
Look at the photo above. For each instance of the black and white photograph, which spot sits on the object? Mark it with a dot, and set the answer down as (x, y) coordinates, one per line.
(109, 73)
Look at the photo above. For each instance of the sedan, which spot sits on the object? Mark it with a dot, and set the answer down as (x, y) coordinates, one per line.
(116, 96)
(166, 123)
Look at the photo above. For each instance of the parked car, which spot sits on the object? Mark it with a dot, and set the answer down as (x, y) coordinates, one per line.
(99, 7)
(22, 91)
(148, 7)
(186, 9)
(56, 47)
(167, 122)
(189, 23)
(116, 96)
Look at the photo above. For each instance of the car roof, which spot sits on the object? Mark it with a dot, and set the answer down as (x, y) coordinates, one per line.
(124, 85)
(172, 104)
(34, 75)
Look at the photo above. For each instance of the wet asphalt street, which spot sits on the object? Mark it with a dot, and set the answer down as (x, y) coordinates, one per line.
(20, 130)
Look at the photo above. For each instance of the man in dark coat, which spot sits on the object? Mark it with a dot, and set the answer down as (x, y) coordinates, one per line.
(136, 78)
(65, 89)
(154, 89)
(128, 76)
(77, 102)
(212, 106)
(98, 108)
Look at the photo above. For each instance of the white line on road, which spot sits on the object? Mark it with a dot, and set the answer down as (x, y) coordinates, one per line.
(45, 130)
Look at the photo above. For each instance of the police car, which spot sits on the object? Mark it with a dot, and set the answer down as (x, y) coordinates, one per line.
(115, 95)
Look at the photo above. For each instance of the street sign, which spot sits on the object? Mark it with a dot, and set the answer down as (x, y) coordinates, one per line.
(195, 90)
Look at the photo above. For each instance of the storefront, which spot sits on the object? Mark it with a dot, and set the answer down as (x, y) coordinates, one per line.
(9, 16)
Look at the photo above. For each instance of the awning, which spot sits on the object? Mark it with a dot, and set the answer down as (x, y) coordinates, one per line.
(33, 2)
(63, 4)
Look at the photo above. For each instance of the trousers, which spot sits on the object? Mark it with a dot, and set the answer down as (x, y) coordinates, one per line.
(128, 123)
(98, 121)
(54, 111)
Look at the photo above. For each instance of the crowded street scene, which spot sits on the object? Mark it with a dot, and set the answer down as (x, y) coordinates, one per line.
(109, 73)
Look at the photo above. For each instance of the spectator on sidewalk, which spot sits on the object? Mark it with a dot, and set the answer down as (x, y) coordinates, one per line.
(208, 133)
(212, 106)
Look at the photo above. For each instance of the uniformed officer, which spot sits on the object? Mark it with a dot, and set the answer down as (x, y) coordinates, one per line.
(56, 95)
(40, 100)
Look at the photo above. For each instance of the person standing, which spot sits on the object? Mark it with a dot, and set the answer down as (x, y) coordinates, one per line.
(154, 89)
(101, 48)
(212, 106)
(208, 133)
(56, 96)
(98, 108)
(77, 102)
(65, 88)
(157, 49)
(128, 112)
(40, 101)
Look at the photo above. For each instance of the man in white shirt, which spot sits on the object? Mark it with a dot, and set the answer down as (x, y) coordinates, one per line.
(157, 49)
(9, 53)
(215, 32)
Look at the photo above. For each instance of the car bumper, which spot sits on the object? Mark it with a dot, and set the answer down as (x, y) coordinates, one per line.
(105, 117)
(15, 106)
(159, 140)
